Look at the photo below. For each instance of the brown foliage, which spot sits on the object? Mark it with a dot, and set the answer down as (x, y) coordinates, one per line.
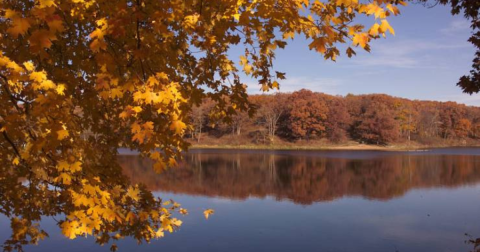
(463, 128)
(307, 114)
(376, 122)
(338, 120)
(376, 119)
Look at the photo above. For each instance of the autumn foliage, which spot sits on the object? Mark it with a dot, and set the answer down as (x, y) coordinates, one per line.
(307, 115)
(81, 78)
(372, 119)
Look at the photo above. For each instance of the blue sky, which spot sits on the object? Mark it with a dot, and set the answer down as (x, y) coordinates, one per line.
(424, 60)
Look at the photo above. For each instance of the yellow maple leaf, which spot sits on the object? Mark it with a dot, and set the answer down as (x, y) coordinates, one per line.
(318, 44)
(243, 60)
(137, 109)
(155, 155)
(374, 29)
(374, 8)
(393, 9)
(64, 178)
(130, 217)
(385, 26)
(69, 229)
(159, 233)
(207, 213)
(136, 127)
(133, 193)
(38, 76)
(178, 126)
(247, 68)
(360, 39)
(176, 222)
(152, 81)
(41, 39)
(166, 224)
(98, 44)
(82, 200)
(89, 190)
(29, 66)
(116, 93)
(148, 126)
(96, 224)
(60, 89)
(20, 26)
(288, 35)
(46, 3)
(62, 134)
(9, 13)
(236, 16)
(76, 167)
(97, 33)
(56, 25)
(63, 166)
(190, 21)
(346, 2)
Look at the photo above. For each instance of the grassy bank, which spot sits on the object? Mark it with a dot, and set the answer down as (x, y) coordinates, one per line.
(415, 147)
(243, 142)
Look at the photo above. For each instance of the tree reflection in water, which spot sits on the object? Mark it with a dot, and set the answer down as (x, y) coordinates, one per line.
(305, 179)
(299, 178)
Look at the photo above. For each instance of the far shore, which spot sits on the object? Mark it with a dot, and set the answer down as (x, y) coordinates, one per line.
(359, 147)
(316, 147)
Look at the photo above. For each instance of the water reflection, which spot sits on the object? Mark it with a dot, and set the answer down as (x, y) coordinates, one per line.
(308, 201)
(304, 179)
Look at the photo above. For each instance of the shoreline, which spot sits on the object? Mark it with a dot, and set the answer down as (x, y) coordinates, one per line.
(351, 147)
(359, 147)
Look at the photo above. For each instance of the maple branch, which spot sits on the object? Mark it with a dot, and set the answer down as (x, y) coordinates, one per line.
(139, 45)
(12, 98)
(5, 135)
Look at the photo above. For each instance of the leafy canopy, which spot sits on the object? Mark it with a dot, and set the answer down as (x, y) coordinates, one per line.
(81, 78)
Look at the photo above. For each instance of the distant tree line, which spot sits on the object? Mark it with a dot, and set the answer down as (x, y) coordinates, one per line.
(374, 119)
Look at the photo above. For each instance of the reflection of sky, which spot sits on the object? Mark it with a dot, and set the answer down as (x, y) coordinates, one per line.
(422, 220)
(424, 60)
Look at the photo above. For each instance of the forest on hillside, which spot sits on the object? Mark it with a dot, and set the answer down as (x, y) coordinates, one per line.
(371, 119)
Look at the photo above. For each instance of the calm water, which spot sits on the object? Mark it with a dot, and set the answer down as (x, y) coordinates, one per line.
(310, 201)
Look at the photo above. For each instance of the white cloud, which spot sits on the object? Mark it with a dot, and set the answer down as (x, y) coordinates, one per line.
(456, 27)
(295, 83)
(408, 53)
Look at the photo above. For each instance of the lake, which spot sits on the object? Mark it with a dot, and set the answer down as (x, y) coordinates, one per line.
(309, 201)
